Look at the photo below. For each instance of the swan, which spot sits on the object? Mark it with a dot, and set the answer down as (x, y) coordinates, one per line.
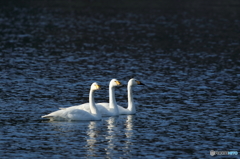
(131, 109)
(75, 112)
(106, 109)
(113, 109)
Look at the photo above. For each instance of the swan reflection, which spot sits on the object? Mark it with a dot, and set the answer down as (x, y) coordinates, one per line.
(111, 136)
(92, 139)
(129, 135)
(84, 134)
(119, 137)
(129, 127)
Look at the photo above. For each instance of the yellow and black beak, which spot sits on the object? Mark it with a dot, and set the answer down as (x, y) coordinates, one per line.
(98, 86)
(139, 83)
(118, 83)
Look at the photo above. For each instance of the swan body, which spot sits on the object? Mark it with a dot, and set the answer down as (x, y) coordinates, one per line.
(76, 112)
(131, 109)
(106, 109)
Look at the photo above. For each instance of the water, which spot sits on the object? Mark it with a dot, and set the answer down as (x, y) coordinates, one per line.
(187, 59)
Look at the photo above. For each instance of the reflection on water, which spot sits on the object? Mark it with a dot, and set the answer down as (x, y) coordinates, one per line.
(92, 132)
(117, 133)
(119, 138)
(112, 136)
(187, 58)
(129, 126)
(129, 134)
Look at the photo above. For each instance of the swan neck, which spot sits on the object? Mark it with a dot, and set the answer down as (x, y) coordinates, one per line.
(93, 107)
(112, 100)
(131, 105)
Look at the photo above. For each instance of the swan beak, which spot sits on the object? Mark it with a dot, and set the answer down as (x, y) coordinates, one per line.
(118, 83)
(98, 87)
(140, 83)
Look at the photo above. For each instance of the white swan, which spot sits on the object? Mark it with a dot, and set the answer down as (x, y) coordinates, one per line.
(110, 109)
(75, 112)
(106, 109)
(131, 109)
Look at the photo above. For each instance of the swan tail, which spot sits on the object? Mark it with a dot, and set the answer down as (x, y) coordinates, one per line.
(47, 116)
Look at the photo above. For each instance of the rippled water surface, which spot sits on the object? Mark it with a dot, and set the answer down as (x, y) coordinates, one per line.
(189, 61)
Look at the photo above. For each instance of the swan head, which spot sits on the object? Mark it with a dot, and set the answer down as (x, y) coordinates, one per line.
(114, 83)
(133, 82)
(95, 86)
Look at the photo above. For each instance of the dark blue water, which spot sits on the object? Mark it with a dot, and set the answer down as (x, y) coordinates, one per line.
(189, 61)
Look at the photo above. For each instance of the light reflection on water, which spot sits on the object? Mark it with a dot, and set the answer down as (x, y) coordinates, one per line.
(95, 136)
(187, 60)
(111, 136)
(129, 134)
(92, 133)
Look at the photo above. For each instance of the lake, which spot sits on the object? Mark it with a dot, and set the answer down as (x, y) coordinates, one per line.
(187, 58)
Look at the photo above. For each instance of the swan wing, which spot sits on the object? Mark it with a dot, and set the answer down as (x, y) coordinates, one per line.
(123, 110)
(71, 113)
(84, 106)
(102, 107)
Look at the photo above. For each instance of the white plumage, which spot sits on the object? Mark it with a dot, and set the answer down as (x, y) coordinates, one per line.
(131, 109)
(106, 109)
(111, 108)
(77, 112)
